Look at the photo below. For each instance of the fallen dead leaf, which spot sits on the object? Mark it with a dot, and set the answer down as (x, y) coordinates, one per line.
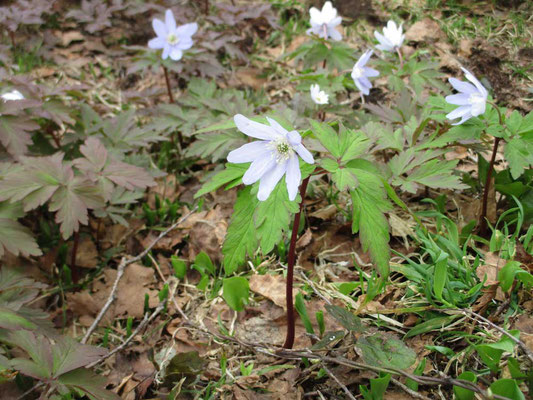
(425, 30)
(305, 239)
(87, 254)
(270, 286)
(130, 294)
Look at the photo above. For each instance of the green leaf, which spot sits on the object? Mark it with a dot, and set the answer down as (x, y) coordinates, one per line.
(430, 325)
(327, 137)
(17, 239)
(512, 271)
(378, 387)
(383, 350)
(88, 383)
(519, 154)
(203, 264)
(11, 320)
(462, 393)
(236, 291)
(507, 388)
(241, 238)
(231, 174)
(440, 276)
(345, 318)
(299, 304)
(15, 133)
(273, 217)
(369, 205)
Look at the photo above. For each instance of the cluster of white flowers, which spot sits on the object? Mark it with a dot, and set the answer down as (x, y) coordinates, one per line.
(471, 99)
(276, 153)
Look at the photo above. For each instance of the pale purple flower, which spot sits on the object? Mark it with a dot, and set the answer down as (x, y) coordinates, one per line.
(392, 37)
(318, 96)
(323, 23)
(13, 95)
(274, 155)
(171, 38)
(360, 73)
(471, 99)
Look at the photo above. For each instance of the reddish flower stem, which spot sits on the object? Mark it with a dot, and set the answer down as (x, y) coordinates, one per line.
(291, 260)
(167, 80)
(482, 217)
(482, 222)
(73, 268)
(171, 98)
(400, 56)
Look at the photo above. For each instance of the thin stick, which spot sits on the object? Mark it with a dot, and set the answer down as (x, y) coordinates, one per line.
(167, 80)
(289, 339)
(476, 317)
(342, 385)
(120, 272)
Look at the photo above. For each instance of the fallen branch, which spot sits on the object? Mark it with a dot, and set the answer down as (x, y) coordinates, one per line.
(120, 272)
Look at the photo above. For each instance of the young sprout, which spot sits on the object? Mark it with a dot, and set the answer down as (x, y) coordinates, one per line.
(13, 95)
(275, 155)
(360, 73)
(171, 38)
(471, 99)
(319, 96)
(323, 22)
(392, 37)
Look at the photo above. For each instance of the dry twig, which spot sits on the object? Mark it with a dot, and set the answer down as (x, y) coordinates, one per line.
(120, 272)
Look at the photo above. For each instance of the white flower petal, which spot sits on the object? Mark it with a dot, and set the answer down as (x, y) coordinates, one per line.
(166, 51)
(316, 16)
(185, 44)
(270, 179)
(159, 28)
(364, 58)
(305, 154)
(458, 112)
(254, 129)
(187, 30)
(249, 152)
(334, 34)
(170, 22)
(370, 72)
(461, 86)
(478, 108)
(277, 127)
(328, 12)
(259, 167)
(476, 83)
(293, 177)
(176, 54)
(464, 118)
(460, 99)
(385, 43)
(156, 43)
(14, 95)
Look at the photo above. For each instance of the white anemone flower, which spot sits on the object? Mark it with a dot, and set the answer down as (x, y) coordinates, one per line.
(274, 155)
(13, 95)
(171, 38)
(392, 37)
(361, 73)
(319, 96)
(323, 23)
(471, 99)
